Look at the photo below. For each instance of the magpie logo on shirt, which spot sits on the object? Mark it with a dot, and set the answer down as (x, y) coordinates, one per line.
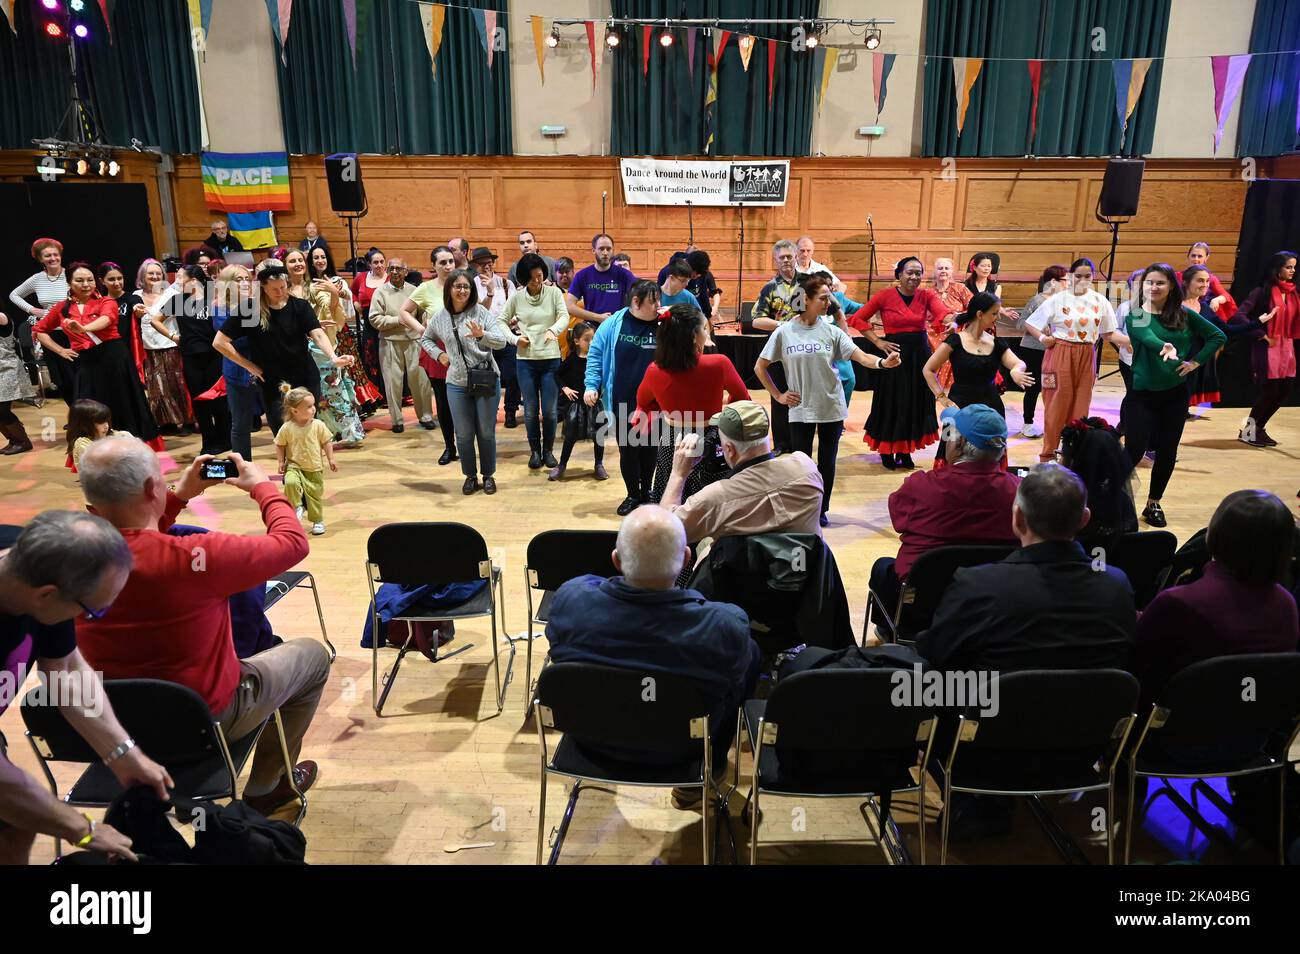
(807, 347)
(637, 341)
(606, 285)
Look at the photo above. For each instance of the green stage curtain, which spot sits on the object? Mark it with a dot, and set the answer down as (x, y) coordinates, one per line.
(392, 103)
(664, 113)
(1076, 106)
(1268, 96)
(141, 85)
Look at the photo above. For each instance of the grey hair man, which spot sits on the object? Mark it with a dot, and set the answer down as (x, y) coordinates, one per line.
(763, 494)
(63, 565)
(172, 619)
(640, 620)
(399, 348)
(806, 264)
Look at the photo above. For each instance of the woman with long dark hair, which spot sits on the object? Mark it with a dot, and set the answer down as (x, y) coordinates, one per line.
(976, 355)
(1049, 283)
(809, 348)
(102, 366)
(1203, 383)
(1216, 296)
(1270, 317)
(1165, 335)
(320, 264)
(112, 284)
(681, 391)
(200, 361)
(902, 409)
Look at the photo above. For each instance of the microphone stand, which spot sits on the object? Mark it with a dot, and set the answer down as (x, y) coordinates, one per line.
(871, 255)
(740, 266)
(603, 197)
(690, 224)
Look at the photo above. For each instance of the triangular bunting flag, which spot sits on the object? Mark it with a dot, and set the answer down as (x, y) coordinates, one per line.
(591, 48)
(691, 34)
(771, 68)
(196, 20)
(364, 9)
(273, 12)
(965, 69)
(106, 8)
(350, 21)
(1035, 81)
(286, 15)
(480, 24)
(1229, 72)
(539, 44)
(490, 32)
(823, 64)
(1123, 70)
(882, 64)
(7, 8)
(1137, 79)
(645, 49)
(722, 37)
(434, 17)
(746, 46)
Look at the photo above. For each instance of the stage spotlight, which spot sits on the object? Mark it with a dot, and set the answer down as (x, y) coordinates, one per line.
(665, 39)
(82, 167)
(80, 31)
(53, 30)
(873, 39)
(50, 4)
(77, 6)
(612, 39)
(113, 167)
(554, 39)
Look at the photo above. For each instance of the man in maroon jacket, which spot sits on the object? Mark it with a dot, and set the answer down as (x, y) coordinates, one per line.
(172, 619)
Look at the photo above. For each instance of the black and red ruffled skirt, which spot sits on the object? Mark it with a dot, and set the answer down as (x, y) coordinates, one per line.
(902, 408)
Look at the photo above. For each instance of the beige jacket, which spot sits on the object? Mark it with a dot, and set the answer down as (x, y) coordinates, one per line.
(386, 312)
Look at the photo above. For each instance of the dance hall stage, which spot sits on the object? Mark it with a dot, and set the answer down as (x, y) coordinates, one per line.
(441, 768)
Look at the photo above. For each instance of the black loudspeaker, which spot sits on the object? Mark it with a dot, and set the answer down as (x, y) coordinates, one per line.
(1121, 188)
(347, 191)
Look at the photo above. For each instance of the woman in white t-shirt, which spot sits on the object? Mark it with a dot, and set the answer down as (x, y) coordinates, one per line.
(808, 348)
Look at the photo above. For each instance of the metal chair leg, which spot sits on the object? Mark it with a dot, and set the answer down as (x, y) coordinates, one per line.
(564, 823)
(320, 616)
(947, 816)
(392, 675)
(541, 811)
(1131, 811)
(288, 769)
(1110, 821)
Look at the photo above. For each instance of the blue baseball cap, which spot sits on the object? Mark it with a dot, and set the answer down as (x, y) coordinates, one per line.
(979, 424)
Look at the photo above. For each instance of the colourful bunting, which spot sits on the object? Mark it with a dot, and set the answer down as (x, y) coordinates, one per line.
(1136, 81)
(771, 68)
(591, 48)
(434, 17)
(1228, 73)
(480, 24)
(824, 63)
(273, 12)
(350, 21)
(490, 30)
(1123, 70)
(882, 64)
(539, 44)
(746, 46)
(1130, 77)
(7, 8)
(1035, 81)
(965, 70)
(691, 34)
(106, 8)
(645, 50)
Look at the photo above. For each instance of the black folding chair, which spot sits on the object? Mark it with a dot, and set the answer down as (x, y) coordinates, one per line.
(419, 554)
(1145, 558)
(278, 587)
(1219, 718)
(170, 723)
(662, 718)
(555, 557)
(1051, 732)
(838, 734)
(924, 588)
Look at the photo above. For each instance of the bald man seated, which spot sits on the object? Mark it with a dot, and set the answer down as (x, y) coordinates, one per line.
(642, 621)
(172, 619)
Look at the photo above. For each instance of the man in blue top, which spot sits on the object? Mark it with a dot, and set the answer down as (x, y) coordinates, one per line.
(624, 346)
(642, 621)
(674, 290)
(602, 288)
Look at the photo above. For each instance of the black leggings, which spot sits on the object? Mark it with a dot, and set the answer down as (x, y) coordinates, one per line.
(445, 422)
(7, 416)
(828, 444)
(202, 371)
(1125, 372)
(1033, 359)
(636, 455)
(1155, 419)
(1272, 395)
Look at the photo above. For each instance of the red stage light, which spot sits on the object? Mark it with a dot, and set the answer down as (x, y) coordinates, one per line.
(53, 30)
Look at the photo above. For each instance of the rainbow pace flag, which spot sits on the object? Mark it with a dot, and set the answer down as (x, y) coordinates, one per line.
(246, 181)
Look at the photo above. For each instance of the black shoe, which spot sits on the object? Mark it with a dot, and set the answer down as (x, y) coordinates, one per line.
(628, 505)
(556, 473)
(549, 459)
(512, 419)
(398, 428)
(535, 460)
(447, 457)
(1262, 436)
(470, 486)
(905, 462)
(489, 485)
(1154, 516)
(824, 520)
(889, 461)
(429, 425)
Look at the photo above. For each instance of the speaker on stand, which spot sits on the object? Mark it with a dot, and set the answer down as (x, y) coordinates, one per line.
(347, 194)
(1120, 190)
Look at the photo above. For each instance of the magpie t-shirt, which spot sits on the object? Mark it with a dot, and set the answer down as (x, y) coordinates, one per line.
(602, 292)
(808, 354)
(634, 351)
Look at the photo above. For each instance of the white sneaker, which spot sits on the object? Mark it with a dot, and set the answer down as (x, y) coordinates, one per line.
(300, 513)
(1032, 430)
(317, 529)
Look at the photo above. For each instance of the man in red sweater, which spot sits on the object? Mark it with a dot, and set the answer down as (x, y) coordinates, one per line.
(172, 619)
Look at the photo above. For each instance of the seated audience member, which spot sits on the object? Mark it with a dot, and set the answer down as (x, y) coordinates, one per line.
(312, 238)
(967, 502)
(764, 494)
(1091, 448)
(61, 566)
(172, 619)
(1045, 606)
(1237, 606)
(642, 621)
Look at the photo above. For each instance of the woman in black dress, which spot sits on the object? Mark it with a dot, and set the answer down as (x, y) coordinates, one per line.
(1203, 383)
(112, 284)
(976, 355)
(200, 361)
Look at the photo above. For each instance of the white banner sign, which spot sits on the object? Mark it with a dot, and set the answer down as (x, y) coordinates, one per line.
(678, 181)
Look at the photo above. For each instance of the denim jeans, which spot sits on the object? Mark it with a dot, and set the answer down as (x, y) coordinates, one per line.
(537, 380)
(245, 405)
(475, 418)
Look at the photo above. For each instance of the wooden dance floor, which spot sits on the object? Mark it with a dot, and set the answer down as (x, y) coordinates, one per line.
(442, 769)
